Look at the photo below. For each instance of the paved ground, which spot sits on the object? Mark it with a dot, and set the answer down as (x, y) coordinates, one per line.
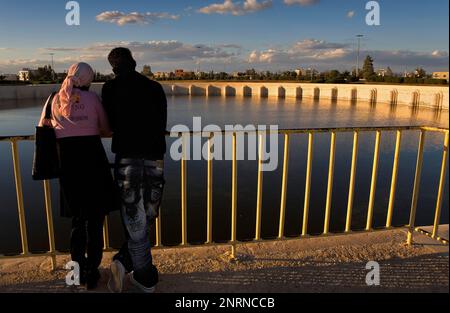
(334, 264)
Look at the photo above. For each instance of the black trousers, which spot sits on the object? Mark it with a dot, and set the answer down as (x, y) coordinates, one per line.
(86, 242)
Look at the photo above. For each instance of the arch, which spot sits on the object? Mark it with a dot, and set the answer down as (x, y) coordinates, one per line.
(246, 91)
(373, 96)
(299, 93)
(180, 90)
(197, 91)
(439, 100)
(354, 95)
(394, 97)
(264, 92)
(213, 91)
(230, 91)
(334, 94)
(281, 92)
(316, 93)
(415, 98)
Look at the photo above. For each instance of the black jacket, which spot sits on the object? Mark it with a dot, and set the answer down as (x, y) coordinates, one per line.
(137, 110)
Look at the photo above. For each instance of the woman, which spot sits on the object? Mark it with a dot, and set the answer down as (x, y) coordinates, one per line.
(86, 181)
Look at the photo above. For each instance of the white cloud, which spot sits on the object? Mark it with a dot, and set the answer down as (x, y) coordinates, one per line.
(163, 51)
(314, 44)
(309, 50)
(350, 14)
(121, 18)
(439, 54)
(236, 8)
(170, 54)
(301, 2)
(329, 55)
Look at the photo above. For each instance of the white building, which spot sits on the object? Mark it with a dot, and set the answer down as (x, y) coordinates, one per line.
(440, 75)
(381, 72)
(300, 72)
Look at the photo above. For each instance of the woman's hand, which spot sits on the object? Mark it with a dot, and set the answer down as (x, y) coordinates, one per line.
(47, 123)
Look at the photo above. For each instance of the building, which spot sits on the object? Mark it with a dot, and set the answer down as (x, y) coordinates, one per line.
(179, 73)
(161, 75)
(381, 72)
(189, 75)
(300, 72)
(407, 74)
(9, 77)
(238, 74)
(440, 75)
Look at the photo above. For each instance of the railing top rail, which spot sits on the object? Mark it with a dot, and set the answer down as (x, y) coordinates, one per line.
(286, 131)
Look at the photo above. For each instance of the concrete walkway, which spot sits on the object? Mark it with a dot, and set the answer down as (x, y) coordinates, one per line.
(332, 264)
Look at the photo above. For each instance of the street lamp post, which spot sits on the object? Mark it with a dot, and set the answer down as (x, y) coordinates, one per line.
(357, 56)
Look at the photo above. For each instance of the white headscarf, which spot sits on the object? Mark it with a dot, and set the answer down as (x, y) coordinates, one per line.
(79, 75)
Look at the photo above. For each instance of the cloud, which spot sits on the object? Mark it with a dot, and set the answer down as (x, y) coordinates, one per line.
(170, 54)
(58, 49)
(439, 54)
(301, 2)
(122, 19)
(328, 55)
(309, 50)
(314, 44)
(350, 14)
(156, 50)
(236, 8)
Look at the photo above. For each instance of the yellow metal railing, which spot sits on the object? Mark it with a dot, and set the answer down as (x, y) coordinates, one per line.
(234, 210)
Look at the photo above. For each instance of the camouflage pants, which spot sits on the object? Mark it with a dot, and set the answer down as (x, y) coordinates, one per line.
(140, 183)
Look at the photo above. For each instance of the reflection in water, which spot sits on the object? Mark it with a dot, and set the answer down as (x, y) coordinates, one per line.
(287, 113)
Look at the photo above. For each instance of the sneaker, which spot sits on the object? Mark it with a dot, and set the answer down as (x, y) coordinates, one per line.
(142, 287)
(115, 283)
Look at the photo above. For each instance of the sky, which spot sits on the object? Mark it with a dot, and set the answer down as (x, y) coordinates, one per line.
(226, 35)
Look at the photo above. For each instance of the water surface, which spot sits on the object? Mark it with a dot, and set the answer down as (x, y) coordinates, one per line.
(20, 118)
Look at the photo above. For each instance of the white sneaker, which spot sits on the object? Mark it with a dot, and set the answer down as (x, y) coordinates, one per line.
(117, 276)
(140, 286)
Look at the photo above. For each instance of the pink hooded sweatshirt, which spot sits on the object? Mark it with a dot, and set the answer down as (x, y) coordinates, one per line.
(76, 112)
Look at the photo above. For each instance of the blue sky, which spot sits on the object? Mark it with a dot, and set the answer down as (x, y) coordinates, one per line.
(192, 34)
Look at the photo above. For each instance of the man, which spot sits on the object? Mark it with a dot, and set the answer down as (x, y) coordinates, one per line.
(137, 111)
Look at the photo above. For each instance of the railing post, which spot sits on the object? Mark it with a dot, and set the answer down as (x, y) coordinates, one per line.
(394, 179)
(209, 199)
(234, 200)
(308, 184)
(19, 195)
(106, 233)
(183, 192)
(437, 217)
(373, 185)
(415, 196)
(259, 188)
(284, 187)
(326, 226)
(50, 228)
(351, 191)
(158, 230)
